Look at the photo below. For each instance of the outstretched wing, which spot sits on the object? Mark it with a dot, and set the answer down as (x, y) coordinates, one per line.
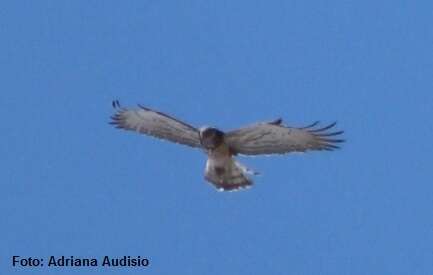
(157, 124)
(275, 138)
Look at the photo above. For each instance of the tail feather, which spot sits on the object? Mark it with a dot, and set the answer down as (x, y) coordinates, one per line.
(228, 176)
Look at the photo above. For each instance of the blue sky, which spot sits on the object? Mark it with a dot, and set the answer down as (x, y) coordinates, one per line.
(73, 185)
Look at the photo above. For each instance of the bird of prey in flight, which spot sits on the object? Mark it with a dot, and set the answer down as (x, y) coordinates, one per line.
(222, 170)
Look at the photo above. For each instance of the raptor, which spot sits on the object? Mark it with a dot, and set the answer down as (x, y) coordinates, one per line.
(222, 169)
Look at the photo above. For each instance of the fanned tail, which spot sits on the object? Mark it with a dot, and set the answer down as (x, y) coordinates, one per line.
(228, 176)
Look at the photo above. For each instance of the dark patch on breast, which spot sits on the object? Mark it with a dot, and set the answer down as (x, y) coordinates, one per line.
(220, 171)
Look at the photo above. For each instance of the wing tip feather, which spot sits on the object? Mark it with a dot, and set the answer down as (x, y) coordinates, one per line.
(326, 140)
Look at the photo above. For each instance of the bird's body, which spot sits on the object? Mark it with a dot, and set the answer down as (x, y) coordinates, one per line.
(222, 170)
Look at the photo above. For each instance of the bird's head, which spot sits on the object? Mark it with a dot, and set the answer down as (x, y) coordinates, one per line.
(210, 137)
